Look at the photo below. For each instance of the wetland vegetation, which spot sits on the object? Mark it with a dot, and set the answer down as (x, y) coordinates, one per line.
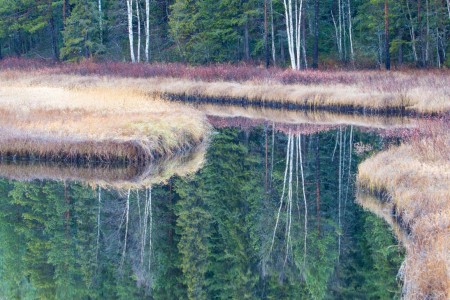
(215, 149)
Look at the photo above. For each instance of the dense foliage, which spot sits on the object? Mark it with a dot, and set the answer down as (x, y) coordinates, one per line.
(346, 32)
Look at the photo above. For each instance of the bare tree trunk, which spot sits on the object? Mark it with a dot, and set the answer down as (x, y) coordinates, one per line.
(412, 33)
(266, 35)
(127, 217)
(339, 190)
(147, 30)
(138, 14)
(448, 8)
(283, 192)
(350, 32)
(100, 20)
(340, 29)
(246, 42)
(130, 29)
(427, 38)
(386, 33)
(304, 200)
(273, 33)
(315, 63)
(318, 184)
(98, 223)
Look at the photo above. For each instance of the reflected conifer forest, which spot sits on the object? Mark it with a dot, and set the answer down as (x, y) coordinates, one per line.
(266, 213)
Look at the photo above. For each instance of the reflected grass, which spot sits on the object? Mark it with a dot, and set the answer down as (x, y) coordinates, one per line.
(114, 176)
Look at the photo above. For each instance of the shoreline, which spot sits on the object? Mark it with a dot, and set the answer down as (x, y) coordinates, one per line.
(370, 92)
(103, 124)
(413, 179)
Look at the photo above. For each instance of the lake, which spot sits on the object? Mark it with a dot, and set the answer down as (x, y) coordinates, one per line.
(266, 210)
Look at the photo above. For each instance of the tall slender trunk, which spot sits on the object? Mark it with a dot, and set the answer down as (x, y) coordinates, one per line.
(293, 18)
(350, 32)
(448, 8)
(266, 35)
(339, 190)
(53, 34)
(427, 38)
(420, 32)
(1, 56)
(246, 42)
(138, 14)
(147, 30)
(386, 33)
(412, 33)
(304, 201)
(273, 33)
(130, 29)
(340, 29)
(318, 183)
(127, 217)
(98, 222)
(100, 20)
(283, 192)
(315, 63)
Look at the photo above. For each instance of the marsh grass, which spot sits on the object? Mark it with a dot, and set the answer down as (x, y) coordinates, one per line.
(87, 123)
(106, 175)
(416, 176)
(411, 91)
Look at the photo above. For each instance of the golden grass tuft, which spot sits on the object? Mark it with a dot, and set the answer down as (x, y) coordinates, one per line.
(86, 122)
(416, 176)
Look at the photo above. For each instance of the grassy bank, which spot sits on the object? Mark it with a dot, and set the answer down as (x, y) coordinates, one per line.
(122, 177)
(92, 123)
(413, 91)
(416, 178)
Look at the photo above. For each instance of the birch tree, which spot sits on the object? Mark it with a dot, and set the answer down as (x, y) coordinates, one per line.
(130, 29)
(293, 17)
(138, 15)
(147, 30)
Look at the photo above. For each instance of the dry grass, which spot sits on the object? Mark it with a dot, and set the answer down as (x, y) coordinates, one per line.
(91, 122)
(120, 177)
(414, 92)
(416, 176)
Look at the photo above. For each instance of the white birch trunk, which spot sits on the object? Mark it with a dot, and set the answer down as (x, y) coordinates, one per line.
(350, 31)
(127, 217)
(138, 14)
(293, 15)
(304, 200)
(147, 30)
(130, 29)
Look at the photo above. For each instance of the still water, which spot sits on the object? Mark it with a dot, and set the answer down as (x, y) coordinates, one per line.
(260, 213)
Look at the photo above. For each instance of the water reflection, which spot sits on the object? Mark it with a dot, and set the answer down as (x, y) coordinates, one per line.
(269, 215)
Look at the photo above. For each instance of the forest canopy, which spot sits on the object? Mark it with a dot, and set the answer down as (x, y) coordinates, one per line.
(294, 33)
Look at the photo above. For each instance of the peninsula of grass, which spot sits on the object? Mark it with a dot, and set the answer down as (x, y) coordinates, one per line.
(87, 123)
(408, 92)
(414, 179)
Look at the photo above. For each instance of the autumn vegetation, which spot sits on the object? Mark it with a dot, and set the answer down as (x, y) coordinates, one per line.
(402, 92)
(413, 180)
(92, 124)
